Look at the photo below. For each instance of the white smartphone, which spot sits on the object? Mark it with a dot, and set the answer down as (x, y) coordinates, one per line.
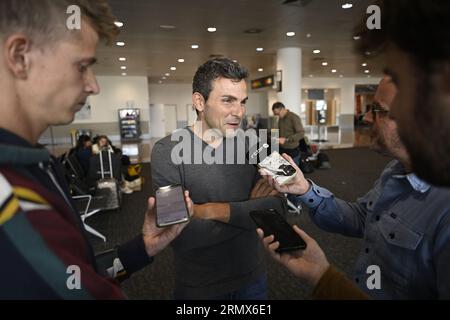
(171, 207)
(278, 167)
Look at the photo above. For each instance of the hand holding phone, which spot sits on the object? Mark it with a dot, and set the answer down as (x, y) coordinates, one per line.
(171, 206)
(272, 223)
(156, 238)
(309, 264)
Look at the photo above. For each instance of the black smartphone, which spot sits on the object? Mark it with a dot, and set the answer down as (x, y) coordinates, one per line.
(272, 223)
(171, 207)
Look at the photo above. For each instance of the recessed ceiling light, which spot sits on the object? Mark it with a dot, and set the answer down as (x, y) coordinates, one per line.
(308, 35)
(369, 76)
(325, 63)
(123, 67)
(167, 74)
(122, 59)
(235, 61)
(310, 75)
(364, 64)
(212, 29)
(260, 69)
(173, 68)
(347, 5)
(167, 26)
(120, 43)
(317, 51)
(119, 24)
(159, 81)
(366, 71)
(341, 76)
(195, 46)
(356, 37)
(124, 73)
(164, 78)
(333, 70)
(260, 49)
(180, 60)
(290, 33)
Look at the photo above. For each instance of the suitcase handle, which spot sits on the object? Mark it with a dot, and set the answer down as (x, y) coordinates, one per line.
(110, 165)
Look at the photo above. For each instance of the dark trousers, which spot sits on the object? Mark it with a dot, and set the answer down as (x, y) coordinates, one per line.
(254, 291)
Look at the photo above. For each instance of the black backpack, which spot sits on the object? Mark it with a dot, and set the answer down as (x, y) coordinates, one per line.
(323, 161)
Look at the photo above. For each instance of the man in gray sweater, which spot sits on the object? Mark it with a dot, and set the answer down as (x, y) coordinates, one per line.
(218, 255)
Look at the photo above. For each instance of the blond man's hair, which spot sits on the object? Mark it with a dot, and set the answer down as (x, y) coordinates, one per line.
(44, 21)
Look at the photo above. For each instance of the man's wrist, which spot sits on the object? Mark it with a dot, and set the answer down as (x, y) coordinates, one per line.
(306, 186)
(319, 274)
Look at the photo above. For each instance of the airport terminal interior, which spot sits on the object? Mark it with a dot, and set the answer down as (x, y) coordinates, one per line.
(298, 52)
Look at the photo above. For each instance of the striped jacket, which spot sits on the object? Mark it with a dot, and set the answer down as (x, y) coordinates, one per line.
(44, 252)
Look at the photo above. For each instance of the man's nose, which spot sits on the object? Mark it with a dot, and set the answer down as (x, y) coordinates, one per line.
(91, 85)
(237, 110)
(368, 117)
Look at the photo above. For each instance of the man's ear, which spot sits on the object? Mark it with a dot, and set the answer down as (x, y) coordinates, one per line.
(15, 51)
(198, 101)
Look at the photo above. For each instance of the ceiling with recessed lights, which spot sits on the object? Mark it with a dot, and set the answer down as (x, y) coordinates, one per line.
(171, 38)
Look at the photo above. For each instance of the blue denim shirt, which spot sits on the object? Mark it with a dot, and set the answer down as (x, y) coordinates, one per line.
(405, 224)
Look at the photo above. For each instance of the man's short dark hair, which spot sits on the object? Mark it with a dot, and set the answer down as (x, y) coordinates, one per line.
(214, 69)
(278, 105)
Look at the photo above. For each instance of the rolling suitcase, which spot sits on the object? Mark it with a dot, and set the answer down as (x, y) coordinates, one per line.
(108, 186)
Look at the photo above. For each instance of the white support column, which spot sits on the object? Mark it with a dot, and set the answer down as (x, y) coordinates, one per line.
(289, 62)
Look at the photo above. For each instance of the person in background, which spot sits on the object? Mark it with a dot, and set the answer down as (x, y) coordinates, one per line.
(83, 152)
(102, 143)
(291, 131)
(255, 123)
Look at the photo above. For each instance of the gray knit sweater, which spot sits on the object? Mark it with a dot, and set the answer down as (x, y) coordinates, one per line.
(214, 258)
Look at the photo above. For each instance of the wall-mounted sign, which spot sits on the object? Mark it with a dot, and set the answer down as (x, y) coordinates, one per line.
(263, 82)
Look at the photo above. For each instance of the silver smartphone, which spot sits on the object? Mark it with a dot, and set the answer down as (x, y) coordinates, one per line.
(171, 207)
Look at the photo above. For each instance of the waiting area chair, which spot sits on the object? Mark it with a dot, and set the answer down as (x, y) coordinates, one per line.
(83, 203)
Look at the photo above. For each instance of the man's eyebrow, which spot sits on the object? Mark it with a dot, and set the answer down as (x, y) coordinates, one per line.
(229, 97)
(89, 61)
(234, 98)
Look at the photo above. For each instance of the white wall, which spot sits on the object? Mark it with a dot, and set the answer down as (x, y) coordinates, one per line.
(114, 94)
(179, 94)
(257, 102)
(157, 126)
